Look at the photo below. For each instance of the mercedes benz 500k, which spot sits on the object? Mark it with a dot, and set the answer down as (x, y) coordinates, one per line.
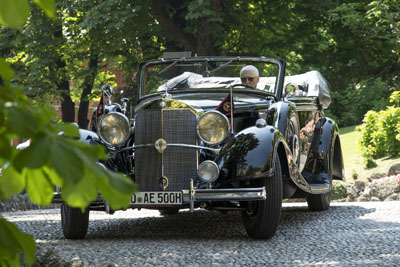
(220, 133)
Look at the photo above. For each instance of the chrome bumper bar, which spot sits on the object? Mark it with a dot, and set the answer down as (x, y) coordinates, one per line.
(231, 194)
(202, 195)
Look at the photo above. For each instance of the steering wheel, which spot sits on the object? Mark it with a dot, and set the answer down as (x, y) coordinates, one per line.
(242, 84)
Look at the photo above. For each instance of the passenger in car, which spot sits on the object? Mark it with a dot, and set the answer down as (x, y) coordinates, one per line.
(249, 75)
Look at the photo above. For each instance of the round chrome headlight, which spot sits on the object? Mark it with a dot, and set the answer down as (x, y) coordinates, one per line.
(208, 171)
(114, 128)
(213, 127)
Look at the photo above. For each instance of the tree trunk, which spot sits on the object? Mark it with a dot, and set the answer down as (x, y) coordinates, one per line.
(67, 106)
(205, 39)
(86, 90)
(171, 29)
(203, 43)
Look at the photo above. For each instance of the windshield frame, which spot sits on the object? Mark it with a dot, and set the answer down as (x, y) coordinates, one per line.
(173, 61)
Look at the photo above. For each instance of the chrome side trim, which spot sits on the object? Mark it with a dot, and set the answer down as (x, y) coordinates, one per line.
(215, 150)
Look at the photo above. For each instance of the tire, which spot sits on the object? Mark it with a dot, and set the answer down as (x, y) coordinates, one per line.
(321, 202)
(262, 217)
(168, 211)
(74, 223)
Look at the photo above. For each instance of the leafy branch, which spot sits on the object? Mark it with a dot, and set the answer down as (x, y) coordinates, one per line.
(50, 160)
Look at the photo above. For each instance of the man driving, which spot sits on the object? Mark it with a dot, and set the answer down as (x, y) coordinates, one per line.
(249, 75)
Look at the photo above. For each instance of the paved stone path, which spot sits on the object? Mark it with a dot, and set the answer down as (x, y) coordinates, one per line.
(348, 234)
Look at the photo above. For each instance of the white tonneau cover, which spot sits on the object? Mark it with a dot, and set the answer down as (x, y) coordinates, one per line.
(314, 84)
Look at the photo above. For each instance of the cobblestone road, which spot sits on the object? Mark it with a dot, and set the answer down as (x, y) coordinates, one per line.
(348, 234)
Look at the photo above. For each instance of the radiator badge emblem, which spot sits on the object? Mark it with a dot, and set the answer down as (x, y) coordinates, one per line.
(160, 145)
(163, 183)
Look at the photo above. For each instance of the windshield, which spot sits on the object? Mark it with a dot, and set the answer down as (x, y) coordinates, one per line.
(203, 73)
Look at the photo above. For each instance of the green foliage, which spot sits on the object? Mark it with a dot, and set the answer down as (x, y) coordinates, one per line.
(350, 105)
(7, 72)
(395, 98)
(48, 7)
(339, 189)
(361, 48)
(380, 132)
(11, 242)
(48, 160)
(51, 160)
(13, 13)
(354, 44)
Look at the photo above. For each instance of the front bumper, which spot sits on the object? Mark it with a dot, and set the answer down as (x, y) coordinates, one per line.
(192, 196)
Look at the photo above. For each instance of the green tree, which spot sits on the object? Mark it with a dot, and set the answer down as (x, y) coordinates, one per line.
(84, 43)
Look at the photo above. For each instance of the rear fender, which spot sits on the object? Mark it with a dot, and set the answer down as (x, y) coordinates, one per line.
(329, 144)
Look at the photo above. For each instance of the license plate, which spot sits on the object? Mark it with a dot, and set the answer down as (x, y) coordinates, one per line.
(157, 198)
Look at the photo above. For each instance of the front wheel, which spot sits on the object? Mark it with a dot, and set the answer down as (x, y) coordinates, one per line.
(322, 202)
(261, 218)
(319, 202)
(74, 223)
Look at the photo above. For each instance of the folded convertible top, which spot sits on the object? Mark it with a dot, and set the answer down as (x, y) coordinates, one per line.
(314, 84)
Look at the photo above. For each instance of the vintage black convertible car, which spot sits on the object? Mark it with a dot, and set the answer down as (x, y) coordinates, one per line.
(199, 138)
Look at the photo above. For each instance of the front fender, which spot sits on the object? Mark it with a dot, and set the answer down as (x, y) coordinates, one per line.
(279, 114)
(249, 154)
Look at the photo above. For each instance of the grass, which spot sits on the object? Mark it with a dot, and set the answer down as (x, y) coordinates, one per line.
(353, 162)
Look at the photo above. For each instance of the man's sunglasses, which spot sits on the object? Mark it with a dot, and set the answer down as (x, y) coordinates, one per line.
(244, 79)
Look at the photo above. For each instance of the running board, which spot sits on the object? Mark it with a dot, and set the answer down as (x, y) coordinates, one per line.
(317, 189)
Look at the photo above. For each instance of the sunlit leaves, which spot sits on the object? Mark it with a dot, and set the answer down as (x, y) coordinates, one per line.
(57, 160)
(35, 156)
(13, 13)
(48, 6)
(21, 122)
(12, 241)
(5, 147)
(79, 193)
(62, 152)
(116, 189)
(11, 182)
(379, 133)
(6, 72)
(39, 186)
(70, 130)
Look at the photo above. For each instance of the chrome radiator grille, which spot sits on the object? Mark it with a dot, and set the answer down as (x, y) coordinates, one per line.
(177, 164)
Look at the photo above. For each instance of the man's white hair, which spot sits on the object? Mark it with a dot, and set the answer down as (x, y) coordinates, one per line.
(249, 69)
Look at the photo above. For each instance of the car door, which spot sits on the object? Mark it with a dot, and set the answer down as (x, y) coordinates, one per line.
(308, 115)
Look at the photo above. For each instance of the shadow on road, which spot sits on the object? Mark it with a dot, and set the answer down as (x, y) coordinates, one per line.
(216, 225)
(345, 235)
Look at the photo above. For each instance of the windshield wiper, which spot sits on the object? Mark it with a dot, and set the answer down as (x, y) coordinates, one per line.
(223, 65)
(171, 65)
